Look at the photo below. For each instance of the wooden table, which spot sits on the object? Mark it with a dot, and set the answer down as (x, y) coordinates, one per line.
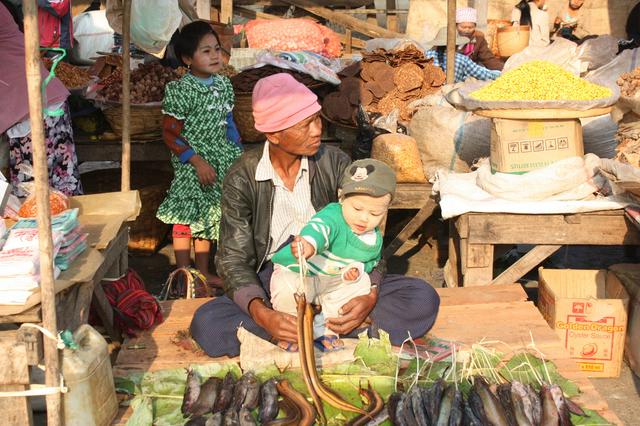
(467, 315)
(473, 237)
(410, 196)
(74, 303)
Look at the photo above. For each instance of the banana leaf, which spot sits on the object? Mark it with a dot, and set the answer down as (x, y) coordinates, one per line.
(142, 412)
(592, 419)
(528, 369)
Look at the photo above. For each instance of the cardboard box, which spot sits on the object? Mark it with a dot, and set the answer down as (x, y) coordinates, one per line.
(519, 146)
(588, 310)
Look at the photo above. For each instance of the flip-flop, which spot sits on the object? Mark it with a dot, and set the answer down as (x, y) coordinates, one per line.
(291, 346)
(327, 343)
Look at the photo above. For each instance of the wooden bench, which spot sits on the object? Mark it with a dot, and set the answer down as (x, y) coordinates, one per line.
(467, 315)
(473, 237)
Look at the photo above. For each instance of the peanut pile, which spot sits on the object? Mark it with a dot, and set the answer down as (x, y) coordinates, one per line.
(540, 81)
(629, 83)
(71, 76)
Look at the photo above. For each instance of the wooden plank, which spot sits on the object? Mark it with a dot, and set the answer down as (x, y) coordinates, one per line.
(33, 314)
(416, 222)
(526, 263)
(411, 195)
(226, 11)
(503, 228)
(479, 255)
(14, 376)
(480, 295)
(158, 351)
(347, 21)
(452, 271)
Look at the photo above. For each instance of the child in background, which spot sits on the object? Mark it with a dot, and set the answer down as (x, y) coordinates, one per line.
(342, 244)
(204, 143)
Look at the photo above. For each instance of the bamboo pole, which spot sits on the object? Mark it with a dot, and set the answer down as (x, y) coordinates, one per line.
(41, 176)
(451, 41)
(125, 180)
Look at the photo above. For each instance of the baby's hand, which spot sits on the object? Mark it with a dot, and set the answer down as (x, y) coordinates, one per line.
(307, 248)
(352, 274)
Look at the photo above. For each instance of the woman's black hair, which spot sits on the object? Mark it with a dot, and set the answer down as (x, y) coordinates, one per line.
(189, 37)
(525, 12)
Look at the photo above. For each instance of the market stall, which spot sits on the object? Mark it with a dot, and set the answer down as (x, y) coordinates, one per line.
(468, 317)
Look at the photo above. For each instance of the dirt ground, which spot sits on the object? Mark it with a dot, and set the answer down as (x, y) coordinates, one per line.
(422, 256)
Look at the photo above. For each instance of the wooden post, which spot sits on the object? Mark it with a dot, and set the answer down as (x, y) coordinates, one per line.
(125, 180)
(226, 11)
(451, 41)
(41, 177)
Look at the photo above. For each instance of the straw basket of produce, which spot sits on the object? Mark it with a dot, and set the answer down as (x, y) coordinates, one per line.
(147, 90)
(512, 39)
(145, 119)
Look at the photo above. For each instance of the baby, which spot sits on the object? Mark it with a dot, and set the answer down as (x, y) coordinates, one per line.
(341, 244)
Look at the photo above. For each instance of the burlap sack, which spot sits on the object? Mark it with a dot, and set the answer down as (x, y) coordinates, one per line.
(401, 153)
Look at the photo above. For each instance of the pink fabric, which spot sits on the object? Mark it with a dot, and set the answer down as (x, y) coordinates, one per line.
(466, 14)
(13, 80)
(280, 101)
(467, 49)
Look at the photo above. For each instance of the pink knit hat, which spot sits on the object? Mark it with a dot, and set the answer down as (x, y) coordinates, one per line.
(280, 101)
(466, 14)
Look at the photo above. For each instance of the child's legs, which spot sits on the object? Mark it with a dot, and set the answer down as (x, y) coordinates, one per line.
(182, 245)
(284, 284)
(202, 250)
(335, 293)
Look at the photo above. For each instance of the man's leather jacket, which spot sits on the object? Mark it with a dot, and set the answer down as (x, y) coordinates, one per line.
(244, 240)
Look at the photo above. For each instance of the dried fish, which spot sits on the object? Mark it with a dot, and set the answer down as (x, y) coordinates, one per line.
(245, 417)
(504, 395)
(208, 395)
(215, 420)
(196, 421)
(417, 406)
(231, 418)
(252, 396)
(561, 405)
(268, 401)
(191, 392)
(226, 394)
(469, 418)
(492, 408)
(550, 415)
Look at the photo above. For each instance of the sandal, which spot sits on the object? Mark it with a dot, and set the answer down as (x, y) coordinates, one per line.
(288, 346)
(328, 343)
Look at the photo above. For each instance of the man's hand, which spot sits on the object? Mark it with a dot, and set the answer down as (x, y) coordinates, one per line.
(279, 325)
(351, 275)
(307, 248)
(206, 173)
(353, 313)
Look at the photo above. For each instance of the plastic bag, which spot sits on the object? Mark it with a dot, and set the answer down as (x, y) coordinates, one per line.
(561, 52)
(92, 33)
(573, 178)
(400, 152)
(58, 201)
(627, 61)
(598, 51)
(153, 23)
(292, 35)
(449, 138)
(316, 66)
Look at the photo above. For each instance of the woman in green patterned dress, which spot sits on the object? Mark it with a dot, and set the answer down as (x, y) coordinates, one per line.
(199, 131)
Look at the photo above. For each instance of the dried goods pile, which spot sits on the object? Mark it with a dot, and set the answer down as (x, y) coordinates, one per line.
(381, 82)
(245, 81)
(629, 83)
(147, 84)
(72, 77)
(540, 81)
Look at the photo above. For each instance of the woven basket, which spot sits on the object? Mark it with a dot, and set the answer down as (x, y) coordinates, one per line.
(243, 116)
(145, 119)
(147, 232)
